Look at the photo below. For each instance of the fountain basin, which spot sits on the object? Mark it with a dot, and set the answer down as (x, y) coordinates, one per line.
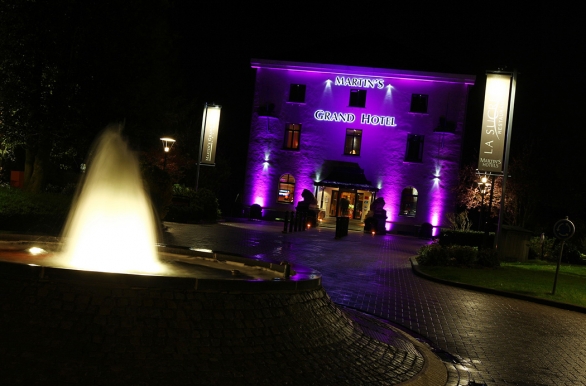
(184, 267)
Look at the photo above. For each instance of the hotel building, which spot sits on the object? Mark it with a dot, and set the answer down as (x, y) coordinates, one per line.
(356, 133)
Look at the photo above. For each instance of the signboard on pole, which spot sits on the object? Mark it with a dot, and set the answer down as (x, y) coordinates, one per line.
(494, 123)
(563, 230)
(209, 134)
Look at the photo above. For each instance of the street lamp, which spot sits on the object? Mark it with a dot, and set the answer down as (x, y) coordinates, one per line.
(167, 145)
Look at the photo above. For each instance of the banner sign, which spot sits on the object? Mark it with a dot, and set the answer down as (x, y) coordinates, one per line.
(494, 123)
(209, 134)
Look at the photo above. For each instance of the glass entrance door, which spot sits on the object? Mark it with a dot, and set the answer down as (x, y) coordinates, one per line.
(354, 201)
(349, 210)
(334, 204)
(358, 206)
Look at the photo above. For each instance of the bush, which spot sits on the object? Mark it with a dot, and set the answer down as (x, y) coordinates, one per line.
(570, 253)
(470, 238)
(203, 206)
(434, 255)
(184, 191)
(160, 188)
(184, 214)
(488, 257)
(536, 245)
(26, 212)
(463, 254)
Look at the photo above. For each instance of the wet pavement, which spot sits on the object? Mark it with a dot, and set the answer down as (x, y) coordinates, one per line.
(481, 338)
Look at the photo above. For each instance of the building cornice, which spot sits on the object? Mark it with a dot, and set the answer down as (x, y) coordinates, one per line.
(363, 71)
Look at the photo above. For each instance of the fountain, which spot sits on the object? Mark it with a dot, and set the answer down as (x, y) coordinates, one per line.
(111, 227)
(106, 305)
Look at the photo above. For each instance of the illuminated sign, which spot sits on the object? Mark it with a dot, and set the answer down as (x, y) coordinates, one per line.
(322, 115)
(494, 123)
(209, 135)
(359, 82)
(365, 119)
(380, 120)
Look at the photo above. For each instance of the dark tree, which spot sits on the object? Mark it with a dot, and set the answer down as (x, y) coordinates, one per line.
(70, 67)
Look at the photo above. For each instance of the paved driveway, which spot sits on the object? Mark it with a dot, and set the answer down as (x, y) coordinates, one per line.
(483, 338)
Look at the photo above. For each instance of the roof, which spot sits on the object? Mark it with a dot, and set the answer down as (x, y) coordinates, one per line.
(346, 175)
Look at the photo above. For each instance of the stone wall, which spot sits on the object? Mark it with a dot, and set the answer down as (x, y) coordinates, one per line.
(72, 332)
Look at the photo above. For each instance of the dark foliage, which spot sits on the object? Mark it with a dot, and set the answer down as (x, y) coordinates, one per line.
(470, 238)
(203, 207)
(435, 254)
(160, 189)
(33, 213)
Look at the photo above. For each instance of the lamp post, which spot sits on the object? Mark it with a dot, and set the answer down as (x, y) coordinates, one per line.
(483, 185)
(167, 145)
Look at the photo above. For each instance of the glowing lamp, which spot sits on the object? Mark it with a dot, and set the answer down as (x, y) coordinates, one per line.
(167, 143)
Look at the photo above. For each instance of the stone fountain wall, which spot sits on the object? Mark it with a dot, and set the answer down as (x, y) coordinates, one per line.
(85, 332)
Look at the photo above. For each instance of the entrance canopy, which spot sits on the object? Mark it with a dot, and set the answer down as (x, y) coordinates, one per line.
(345, 175)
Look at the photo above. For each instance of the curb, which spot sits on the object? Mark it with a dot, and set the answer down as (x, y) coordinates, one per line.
(551, 303)
(434, 371)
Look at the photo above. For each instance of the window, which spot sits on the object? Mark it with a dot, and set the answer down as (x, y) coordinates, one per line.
(414, 151)
(297, 93)
(408, 202)
(357, 98)
(353, 141)
(418, 103)
(286, 189)
(292, 136)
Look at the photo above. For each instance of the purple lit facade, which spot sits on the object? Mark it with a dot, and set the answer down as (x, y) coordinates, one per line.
(315, 126)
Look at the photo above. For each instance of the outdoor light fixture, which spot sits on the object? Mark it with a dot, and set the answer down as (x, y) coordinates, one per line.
(36, 251)
(167, 143)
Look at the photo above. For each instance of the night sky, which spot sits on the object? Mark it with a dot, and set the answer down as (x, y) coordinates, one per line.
(543, 44)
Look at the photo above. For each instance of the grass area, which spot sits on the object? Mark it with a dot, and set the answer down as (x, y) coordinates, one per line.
(534, 278)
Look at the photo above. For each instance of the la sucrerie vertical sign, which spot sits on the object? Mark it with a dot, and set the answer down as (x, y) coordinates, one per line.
(494, 123)
(209, 134)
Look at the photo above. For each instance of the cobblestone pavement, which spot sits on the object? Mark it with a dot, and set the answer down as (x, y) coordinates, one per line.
(482, 338)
